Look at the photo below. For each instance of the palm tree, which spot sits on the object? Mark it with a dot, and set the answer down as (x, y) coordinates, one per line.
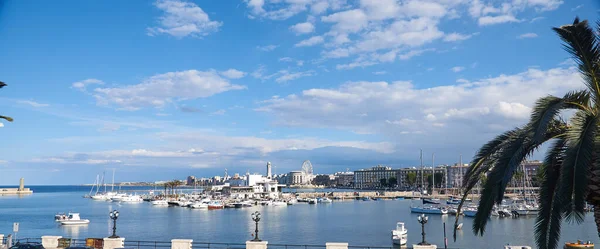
(9, 119)
(571, 168)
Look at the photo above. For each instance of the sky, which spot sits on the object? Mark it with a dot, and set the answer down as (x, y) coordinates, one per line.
(160, 90)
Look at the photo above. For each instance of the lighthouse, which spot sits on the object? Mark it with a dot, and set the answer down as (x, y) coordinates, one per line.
(269, 170)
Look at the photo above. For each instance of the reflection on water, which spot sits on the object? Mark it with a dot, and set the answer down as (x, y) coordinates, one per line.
(356, 222)
(73, 230)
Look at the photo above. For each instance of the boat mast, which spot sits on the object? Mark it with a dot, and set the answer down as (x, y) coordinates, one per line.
(422, 172)
(104, 183)
(460, 165)
(432, 173)
(113, 182)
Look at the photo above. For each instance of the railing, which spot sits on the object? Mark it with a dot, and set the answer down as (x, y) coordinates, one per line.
(147, 244)
(208, 245)
(288, 246)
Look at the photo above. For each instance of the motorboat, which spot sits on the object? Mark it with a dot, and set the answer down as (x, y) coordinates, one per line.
(400, 234)
(292, 201)
(453, 201)
(71, 219)
(428, 210)
(160, 202)
(366, 198)
(199, 205)
(431, 201)
(247, 204)
(324, 200)
(470, 212)
(266, 203)
(215, 205)
(312, 201)
(279, 203)
(127, 198)
(238, 205)
(579, 244)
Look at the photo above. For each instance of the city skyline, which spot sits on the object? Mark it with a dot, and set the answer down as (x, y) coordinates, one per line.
(161, 89)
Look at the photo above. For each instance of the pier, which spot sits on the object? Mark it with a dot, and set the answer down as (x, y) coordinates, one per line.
(22, 190)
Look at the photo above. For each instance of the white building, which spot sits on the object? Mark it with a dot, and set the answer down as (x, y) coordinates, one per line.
(256, 185)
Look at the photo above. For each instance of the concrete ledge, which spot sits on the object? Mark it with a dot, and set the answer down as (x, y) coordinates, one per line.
(1, 239)
(424, 247)
(256, 244)
(112, 243)
(50, 241)
(181, 244)
(335, 245)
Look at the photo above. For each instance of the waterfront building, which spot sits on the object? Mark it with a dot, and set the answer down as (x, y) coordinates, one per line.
(324, 180)
(345, 179)
(253, 186)
(297, 178)
(456, 174)
(404, 181)
(191, 181)
(373, 177)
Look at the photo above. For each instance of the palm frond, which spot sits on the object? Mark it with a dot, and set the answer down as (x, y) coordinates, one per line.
(548, 221)
(9, 119)
(2, 84)
(576, 165)
(548, 107)
(580, 41)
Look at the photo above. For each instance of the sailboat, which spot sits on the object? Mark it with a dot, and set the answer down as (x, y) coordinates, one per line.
(427, 209)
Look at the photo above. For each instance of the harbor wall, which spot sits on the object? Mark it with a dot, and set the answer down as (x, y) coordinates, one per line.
(15, 191)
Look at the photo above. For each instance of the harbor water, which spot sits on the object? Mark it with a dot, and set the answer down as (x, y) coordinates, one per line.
(356, 222)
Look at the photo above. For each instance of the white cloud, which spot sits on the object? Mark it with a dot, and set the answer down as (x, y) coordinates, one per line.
(537, 19)
(380, 73)
(485, 105)
(182, 18)
(491, 20)
(577, 7)
(219, 112)
(310, 41)
(82, 85)
(267, 48)
(285, 75)
(452, 37)
(161, 89)
(32, 103)
(303, 28)
(233, 74)
(457, 69)
(527, 35)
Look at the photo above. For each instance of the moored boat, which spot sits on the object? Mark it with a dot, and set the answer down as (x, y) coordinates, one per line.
(160, 202)
(428, 210)
(215, 205)
(73, 219)
(399, 235)
(579, 244)
(431, 201)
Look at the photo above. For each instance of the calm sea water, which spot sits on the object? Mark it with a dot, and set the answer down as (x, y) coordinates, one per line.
(355, 222)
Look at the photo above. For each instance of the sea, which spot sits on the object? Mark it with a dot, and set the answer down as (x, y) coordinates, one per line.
(360, 223)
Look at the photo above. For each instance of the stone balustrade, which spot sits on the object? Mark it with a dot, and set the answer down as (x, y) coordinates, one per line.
(52, 242)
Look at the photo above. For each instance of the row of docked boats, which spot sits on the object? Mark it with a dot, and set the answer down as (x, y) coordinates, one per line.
(117, 197)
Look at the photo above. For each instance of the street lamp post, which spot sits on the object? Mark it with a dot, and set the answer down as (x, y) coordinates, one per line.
(423, 219)
(256, 219)
(114, 215)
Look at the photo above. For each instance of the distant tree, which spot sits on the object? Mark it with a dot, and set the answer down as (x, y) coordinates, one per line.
(9, 119)
(392, 182)
(383, 182)
(411, 178)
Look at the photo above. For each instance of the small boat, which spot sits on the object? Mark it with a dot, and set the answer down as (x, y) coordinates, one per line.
(160, 202)
(376, 199)
(266, 203)
(324, 200)
(73, 219)
(292, 201)
(399, 235)
(453, 201)
(470, 212)
(431, 201)
(312, 201)
(428, 210)
(279, 203)
(199, 205)
(230, 205)
(238, 205)
(366, 198)
(215, 205)
(459, 227)
(579, 244)
(247, 204)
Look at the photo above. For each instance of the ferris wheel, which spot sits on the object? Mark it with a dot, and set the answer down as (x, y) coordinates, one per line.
(307, 167)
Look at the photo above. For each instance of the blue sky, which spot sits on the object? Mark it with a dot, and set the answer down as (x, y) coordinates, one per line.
(165, 89)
